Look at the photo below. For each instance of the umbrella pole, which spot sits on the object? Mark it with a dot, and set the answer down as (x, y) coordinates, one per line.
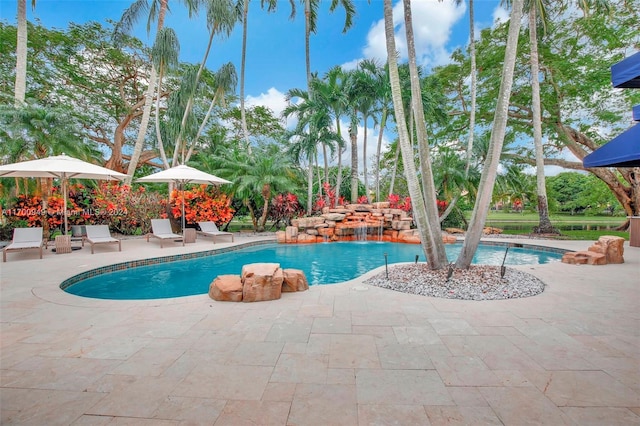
(64, 198)
(183, 221)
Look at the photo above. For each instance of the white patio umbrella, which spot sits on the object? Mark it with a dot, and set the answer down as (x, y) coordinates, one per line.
(181, 175)
(61, 167)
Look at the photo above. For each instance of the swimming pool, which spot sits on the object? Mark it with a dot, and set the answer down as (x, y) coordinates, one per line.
(327, 263)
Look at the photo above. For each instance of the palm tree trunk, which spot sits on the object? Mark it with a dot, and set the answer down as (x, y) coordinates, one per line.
(353, 135)
(339, 177)
(243, 113)
(144, 125)
(310, 187)
(545, 226)
(148, 103)
(428, 186)
(364, 157)
(472, 113)
(395, 168)
(163, 154)
(419, 209)
(21, 55)
(489, 173)
(187, 110)
(383, 123)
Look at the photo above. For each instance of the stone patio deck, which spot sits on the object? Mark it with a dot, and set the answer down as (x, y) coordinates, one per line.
(341, 354)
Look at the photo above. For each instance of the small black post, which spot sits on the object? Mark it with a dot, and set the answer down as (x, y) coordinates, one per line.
(503, 269)
(417, 256)
(450, 271)
(386, 266)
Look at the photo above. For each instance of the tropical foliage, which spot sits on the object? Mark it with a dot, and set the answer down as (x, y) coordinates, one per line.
(95, 92)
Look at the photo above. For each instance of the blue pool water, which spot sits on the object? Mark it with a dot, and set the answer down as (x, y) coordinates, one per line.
(322, 264)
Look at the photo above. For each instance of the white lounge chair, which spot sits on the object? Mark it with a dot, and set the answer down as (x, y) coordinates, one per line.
(161, 229)
(211, 230)
(99, 234)
(25, 239)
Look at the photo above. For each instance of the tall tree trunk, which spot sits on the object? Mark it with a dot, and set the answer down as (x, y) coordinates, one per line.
(339, 177)
(148, 103)
(419, 209)
(364, 156)
(243, 113)
(163, 154)
(489, 173)
(180, 145)
(395, 168)
(353, 135)
(383, 123)
(474, 89)
(545, 226)
(428, 186)
(144, 125)
(266, 196)
(21, 55)
(310, 187)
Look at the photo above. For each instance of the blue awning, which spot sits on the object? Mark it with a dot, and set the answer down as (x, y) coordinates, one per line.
(636, 113)
(626, 73)
(622, 151)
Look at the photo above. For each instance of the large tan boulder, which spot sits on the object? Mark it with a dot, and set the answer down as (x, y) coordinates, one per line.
(454, 230)
(291, 234)
(449, 239)
(409, 236)
(294, 280)
(261, 281)
(307, 222)
(334, 217)
(226, 288)
(584, 258)
(400, 225)
(611, 247)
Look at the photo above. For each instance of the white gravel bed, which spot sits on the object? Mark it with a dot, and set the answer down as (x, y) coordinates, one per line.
(479, 282)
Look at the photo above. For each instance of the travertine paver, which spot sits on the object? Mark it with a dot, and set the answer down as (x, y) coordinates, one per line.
(346, 354)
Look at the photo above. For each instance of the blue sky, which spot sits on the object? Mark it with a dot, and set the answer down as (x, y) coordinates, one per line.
(275, 56)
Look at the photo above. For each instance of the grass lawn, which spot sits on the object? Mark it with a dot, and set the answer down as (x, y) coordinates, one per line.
(570, 226)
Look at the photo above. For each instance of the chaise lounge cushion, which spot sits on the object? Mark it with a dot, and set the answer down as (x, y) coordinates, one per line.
(99, 234)
(211, 230)
(25, 239)
(161, 229)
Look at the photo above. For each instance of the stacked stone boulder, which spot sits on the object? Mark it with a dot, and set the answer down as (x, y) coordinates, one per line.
(607, 250)
(375, 221)
(258, 282)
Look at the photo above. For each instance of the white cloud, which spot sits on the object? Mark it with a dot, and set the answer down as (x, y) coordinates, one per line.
(432, 24)
(500, 14)
(273, 99)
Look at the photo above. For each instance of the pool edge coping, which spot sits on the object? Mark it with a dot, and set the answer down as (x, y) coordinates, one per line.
(187, 256)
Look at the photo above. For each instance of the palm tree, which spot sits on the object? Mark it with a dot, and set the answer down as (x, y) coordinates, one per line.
(333, 94)
(225, 82)
(487, 180)
(535, 8)
(545, 226)
(21, 53)
(222, 16)
(271, 6)
(385, 105)
(265, 173)
(419, 208)
(311, 19)
(157, 10)
(314, 127)
(367, 86)
(165, 56)
(428, 187)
